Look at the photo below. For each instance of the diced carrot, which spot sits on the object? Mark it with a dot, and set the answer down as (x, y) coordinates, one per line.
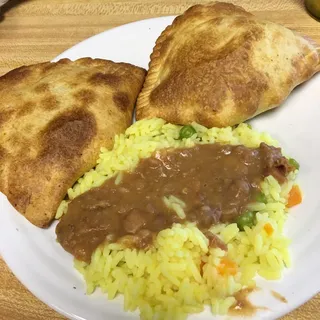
(268, 229)
(295, 196)
(227, 267)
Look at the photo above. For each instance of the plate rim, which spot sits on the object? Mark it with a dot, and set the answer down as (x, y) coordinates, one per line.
(5, 254)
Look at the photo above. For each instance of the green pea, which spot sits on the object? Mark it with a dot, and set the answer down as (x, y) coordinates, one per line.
(294, 163)
(187, 132)
(261, 197)
(246, 219)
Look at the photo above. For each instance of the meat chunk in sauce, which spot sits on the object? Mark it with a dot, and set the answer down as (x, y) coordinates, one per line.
(274, 163)
(135, 221)
(140, 240)
(216, 182)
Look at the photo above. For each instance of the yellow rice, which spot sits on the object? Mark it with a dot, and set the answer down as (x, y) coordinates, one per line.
(166, 282)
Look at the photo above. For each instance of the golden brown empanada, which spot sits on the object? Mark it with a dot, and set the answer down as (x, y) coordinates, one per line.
(54, 118)
(219, 65)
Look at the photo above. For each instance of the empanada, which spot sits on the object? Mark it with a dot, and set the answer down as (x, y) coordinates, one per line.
(54, 118)
(219, 65)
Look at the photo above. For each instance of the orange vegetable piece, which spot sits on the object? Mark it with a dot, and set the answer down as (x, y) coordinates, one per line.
(227, 267)
(295, 196)
(268, 229)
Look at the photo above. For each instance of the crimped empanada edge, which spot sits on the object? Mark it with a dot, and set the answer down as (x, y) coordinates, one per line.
(157, 55)
(156, 58)
(122, 68)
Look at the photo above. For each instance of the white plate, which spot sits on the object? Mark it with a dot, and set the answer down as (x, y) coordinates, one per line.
(47, 270)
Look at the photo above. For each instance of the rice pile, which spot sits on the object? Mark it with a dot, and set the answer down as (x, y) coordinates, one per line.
(181, 274)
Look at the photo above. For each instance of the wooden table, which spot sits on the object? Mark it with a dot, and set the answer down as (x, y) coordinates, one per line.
(38, 30)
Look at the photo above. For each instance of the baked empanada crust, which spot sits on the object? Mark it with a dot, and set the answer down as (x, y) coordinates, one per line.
(219, 65)
(54, 119)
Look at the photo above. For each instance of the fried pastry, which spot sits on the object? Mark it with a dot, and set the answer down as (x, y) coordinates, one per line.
(54, 118)
(219, 65)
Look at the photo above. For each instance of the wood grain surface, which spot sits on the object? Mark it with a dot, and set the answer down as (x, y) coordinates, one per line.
(38, 30)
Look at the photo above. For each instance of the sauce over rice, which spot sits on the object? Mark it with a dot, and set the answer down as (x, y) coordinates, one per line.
(213, 182)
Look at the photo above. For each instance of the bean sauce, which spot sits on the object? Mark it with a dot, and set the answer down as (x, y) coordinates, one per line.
(215, 182)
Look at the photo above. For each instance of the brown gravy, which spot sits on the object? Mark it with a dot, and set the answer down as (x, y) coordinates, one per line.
(243, 307)
(279, 297)
(216, 183)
